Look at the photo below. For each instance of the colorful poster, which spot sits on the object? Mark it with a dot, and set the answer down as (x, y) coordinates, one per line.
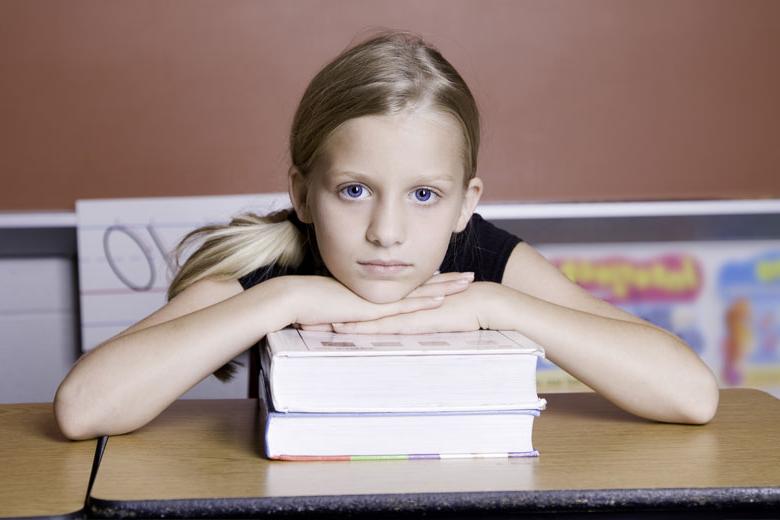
(721, 297)
(663, 290)
(750, 295)
(662, 286)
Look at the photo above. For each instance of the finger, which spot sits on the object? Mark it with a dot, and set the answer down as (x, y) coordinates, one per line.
(448, 277)
(320, 327)
(398, 324)
(412, 305)
(440, 288)
(404, 306)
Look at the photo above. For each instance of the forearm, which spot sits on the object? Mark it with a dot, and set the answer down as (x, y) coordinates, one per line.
(126, 382)
(642, 369)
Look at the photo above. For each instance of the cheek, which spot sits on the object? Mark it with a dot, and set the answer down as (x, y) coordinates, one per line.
(335, 230)
(337, 246)
(434, 233)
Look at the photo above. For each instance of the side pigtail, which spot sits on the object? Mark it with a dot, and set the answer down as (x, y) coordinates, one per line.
(230, 251)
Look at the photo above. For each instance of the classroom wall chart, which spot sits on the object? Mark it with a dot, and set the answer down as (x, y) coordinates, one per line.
(721, 297)
(125, 262)
(125, 251)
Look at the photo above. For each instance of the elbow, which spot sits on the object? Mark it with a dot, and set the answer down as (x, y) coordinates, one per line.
(700, 406)
(71, 417)
(80, 416)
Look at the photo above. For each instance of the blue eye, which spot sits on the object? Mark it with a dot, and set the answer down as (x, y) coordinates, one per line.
(424, 195)
(353, 191)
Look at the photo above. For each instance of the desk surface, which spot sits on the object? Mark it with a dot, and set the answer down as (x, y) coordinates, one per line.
(42, 472)
(592, 456)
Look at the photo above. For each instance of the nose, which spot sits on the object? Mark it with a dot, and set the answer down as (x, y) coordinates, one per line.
(387, 227)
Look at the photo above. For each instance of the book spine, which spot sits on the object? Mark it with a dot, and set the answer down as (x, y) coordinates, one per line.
(420, 456)
(265, 356)
(274, 411)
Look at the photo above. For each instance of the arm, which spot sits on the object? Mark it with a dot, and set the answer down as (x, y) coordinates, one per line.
(129, 379)
(638, 366)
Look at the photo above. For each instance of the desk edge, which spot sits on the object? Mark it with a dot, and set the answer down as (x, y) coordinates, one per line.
(689, 499)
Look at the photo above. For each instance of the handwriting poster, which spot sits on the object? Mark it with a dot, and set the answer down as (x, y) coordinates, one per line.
(125, 258)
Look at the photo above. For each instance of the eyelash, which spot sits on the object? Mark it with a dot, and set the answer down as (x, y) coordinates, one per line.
(433, 192)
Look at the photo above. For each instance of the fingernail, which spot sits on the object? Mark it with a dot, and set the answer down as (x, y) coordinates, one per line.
(436, 272)
(336, 324)
(469, 275)
(462, 281)
(438, 298)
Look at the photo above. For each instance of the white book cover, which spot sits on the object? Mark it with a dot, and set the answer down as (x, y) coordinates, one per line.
(395, 436)
(325, 372)
(295, 342)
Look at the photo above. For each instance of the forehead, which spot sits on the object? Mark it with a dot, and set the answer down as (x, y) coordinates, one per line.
(407, 144)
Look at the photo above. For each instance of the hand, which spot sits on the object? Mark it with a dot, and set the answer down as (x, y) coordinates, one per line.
(459, 312)
(443, 284)
(346, 306)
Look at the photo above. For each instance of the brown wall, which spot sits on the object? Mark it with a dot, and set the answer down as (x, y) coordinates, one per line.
(581, 100)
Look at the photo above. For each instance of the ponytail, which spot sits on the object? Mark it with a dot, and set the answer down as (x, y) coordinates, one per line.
(231, 251)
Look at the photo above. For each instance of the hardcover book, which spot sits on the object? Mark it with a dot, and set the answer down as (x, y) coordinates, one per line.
(324, 372)
(400, 435)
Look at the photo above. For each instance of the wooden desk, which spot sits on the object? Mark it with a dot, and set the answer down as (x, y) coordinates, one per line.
(205, 456)
(41, 472)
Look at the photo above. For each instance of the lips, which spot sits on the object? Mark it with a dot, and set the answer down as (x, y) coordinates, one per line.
(385, 263)
(384, 267)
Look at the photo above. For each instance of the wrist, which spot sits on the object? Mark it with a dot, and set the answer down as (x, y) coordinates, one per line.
(497, 309)
(275, 299)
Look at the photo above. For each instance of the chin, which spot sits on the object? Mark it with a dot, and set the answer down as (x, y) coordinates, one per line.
(385, 291)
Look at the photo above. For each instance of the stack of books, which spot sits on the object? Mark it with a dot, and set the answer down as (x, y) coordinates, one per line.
(328, 396)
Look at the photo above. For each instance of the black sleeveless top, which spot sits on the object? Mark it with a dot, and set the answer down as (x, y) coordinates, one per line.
(481, 248)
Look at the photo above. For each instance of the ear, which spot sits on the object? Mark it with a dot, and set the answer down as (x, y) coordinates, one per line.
(297, 187)
(470, 200)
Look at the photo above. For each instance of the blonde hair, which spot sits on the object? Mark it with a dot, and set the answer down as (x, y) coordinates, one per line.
(390, 72)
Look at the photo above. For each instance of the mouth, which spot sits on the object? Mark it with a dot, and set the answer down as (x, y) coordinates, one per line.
(378, 267)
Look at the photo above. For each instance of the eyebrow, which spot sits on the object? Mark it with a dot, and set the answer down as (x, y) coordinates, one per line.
(422, 179)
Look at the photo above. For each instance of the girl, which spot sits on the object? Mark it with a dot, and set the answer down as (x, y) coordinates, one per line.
(383, 186)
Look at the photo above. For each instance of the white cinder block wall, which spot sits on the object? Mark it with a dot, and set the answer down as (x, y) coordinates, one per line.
(39, 330)
(38, 327)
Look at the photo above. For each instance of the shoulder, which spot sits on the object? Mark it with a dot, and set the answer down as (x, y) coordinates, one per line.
(482, 247)
(262, 274)
(491, 239)
(310, 264)
(488, 231)
(531, 273)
